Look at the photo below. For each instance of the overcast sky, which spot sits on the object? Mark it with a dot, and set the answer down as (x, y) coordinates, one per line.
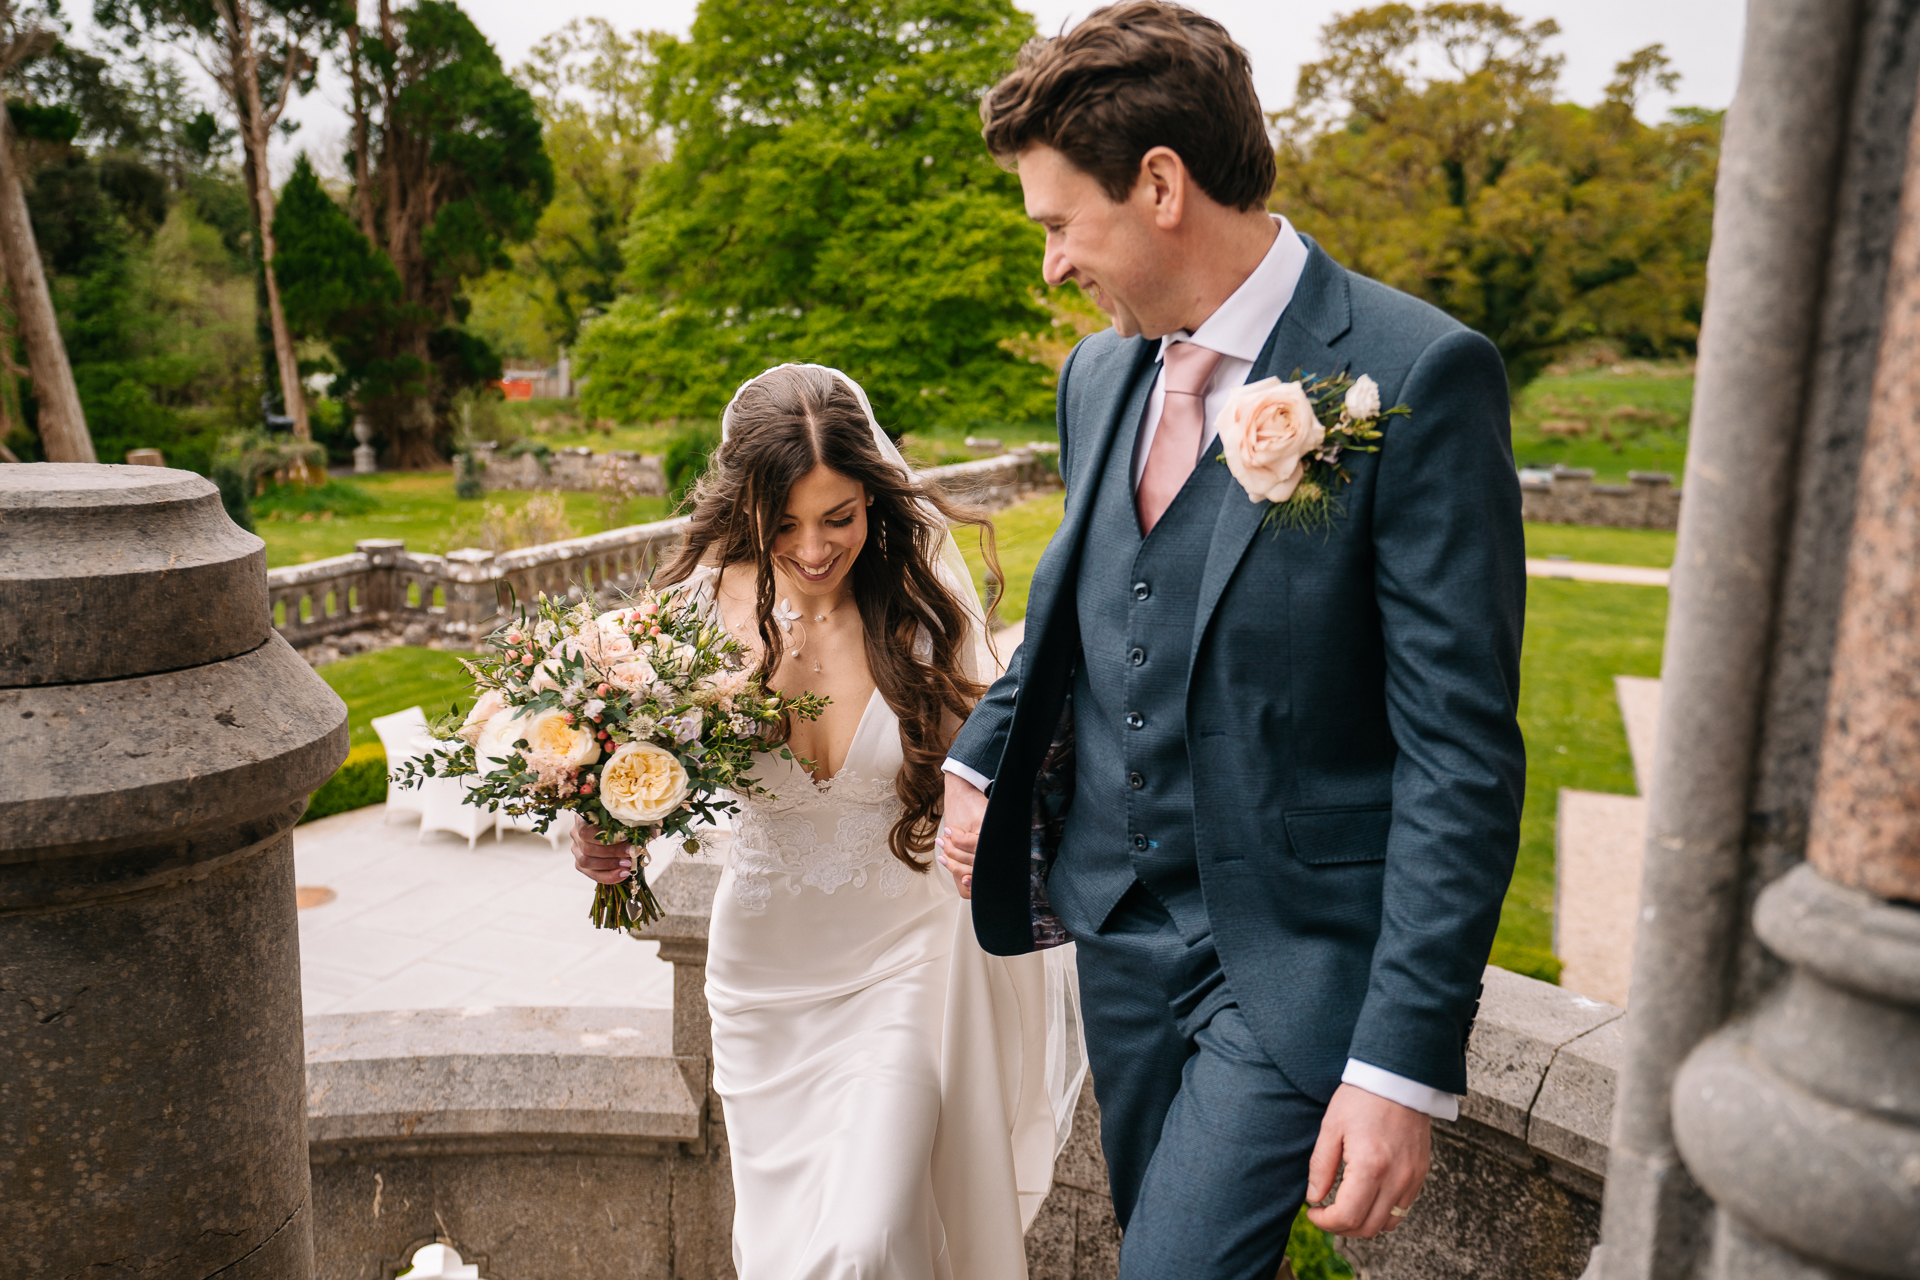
(1701, 36)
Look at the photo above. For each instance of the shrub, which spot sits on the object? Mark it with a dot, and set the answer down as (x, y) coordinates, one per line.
(689, 453)
(360, 781)
(542, 520)
(341, 498)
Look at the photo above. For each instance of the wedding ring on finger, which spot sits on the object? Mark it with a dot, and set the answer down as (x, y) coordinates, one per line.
(1398, 1212)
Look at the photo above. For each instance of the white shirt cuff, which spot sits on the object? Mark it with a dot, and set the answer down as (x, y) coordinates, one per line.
(1408, 1093)
(980, 780)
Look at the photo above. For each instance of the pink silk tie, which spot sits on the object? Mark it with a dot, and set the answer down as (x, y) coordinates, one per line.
(1176, 441)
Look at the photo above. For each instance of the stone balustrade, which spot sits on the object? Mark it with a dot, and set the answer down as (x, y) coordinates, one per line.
(465, 594)
(589, 1143)
(1568, 495)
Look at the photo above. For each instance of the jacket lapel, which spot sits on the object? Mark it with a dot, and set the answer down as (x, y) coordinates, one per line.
(1120, 391)
(1319, 314)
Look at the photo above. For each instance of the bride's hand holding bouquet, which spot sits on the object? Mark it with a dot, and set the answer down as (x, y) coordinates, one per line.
(638, 720)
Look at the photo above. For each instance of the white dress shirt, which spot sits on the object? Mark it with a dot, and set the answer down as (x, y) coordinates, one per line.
(1238, 329)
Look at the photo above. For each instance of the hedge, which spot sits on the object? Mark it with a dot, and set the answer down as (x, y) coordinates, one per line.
(361, 781)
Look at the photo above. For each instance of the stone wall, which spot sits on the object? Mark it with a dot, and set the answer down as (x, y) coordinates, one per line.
(587, 1142)
(1516, 1183)
(1568, 495)
(576, 468)
(538, 1142)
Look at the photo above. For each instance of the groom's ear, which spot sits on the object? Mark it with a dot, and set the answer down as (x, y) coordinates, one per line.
(1163, 188)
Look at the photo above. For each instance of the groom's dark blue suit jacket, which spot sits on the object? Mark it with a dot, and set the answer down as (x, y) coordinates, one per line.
(1351, 701)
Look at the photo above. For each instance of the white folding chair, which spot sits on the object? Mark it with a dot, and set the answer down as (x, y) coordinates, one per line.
(404, 737)
(560, 829)
(444, 808)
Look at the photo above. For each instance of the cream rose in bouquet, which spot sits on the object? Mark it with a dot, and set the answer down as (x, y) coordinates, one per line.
(1283, 441)
(640, 720)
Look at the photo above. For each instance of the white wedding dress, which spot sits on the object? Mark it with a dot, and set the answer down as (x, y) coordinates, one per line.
(885, 1081)
(894, 1096)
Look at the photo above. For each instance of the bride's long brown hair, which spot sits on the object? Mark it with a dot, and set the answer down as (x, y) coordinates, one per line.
(785, 423)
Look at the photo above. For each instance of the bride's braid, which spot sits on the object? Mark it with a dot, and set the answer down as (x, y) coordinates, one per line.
(784, 424)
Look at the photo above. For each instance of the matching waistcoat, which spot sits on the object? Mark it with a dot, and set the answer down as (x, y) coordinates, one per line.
(1132, 815)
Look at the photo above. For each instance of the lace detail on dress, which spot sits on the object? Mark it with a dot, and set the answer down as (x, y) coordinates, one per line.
(778, 837)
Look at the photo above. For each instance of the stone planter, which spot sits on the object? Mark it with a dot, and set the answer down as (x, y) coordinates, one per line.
(157, 743)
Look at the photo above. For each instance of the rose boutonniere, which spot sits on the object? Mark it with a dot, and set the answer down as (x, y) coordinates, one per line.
(1283, 442)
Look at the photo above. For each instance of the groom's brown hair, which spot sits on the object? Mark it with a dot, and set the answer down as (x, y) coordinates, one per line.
(1132, 77)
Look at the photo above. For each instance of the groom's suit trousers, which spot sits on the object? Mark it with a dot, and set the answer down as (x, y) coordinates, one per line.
(1206, 1140)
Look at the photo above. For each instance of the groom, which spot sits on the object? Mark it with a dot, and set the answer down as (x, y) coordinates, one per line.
(1298, 774)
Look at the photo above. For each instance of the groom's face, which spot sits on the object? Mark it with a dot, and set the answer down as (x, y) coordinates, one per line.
(1109, 248)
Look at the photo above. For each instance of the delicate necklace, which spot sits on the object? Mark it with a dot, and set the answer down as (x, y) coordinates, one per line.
(786, 616)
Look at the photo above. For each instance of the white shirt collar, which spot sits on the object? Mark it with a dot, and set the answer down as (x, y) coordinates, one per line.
(1240, 327)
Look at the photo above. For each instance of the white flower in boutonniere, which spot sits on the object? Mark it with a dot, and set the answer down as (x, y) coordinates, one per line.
(1283, 442)
(1363, 399)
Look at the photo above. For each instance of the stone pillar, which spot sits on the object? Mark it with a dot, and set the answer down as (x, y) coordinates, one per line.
(157, 743)
(1803, 1120)
(685, 888)
(473, 609)
(1805, 214)
(386, 597)
(703, 1212)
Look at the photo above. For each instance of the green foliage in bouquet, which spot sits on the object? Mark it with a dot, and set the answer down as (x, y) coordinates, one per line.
(641, 721)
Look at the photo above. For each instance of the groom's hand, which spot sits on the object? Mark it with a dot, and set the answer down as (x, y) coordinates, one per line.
(602, 863)
(1386, 1149)
(966, 804)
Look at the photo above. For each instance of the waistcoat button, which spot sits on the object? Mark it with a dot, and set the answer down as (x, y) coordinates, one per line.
(1141, 591)
(1137, 657)
(1135, 720)
(1140, 842)
(1135, 781)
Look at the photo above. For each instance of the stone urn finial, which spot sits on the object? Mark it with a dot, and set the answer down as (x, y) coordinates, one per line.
(158, 741)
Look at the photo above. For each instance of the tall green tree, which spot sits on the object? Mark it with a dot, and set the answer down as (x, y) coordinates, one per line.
(259, 52)
(142, 240)
(449, 170)
(1426, 149)
(591, 86)
(27, 34)
(828, 198)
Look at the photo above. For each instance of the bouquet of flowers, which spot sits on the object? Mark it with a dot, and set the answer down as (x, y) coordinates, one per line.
(636, 720)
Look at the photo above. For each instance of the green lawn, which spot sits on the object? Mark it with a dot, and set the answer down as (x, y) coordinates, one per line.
(1580, 635)
(419, 508)
(1631, 420)
(1646, 548)
(558, 424)
(390, 680)
(1021, 533)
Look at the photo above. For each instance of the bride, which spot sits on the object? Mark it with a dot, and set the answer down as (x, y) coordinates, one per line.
(894, 1096)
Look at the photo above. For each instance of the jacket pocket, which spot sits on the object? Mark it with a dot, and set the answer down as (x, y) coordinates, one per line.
(1321, 837)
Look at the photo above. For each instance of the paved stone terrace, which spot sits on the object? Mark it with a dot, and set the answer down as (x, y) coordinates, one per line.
(426, 924)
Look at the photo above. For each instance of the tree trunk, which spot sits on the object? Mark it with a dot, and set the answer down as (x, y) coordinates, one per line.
(63, 424)
(362, 179)
(257, 130)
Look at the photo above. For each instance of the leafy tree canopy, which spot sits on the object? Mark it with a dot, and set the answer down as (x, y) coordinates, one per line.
(1425, 150)
(451, 170)
(591, 86)
(829, 199)
(143, 240)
